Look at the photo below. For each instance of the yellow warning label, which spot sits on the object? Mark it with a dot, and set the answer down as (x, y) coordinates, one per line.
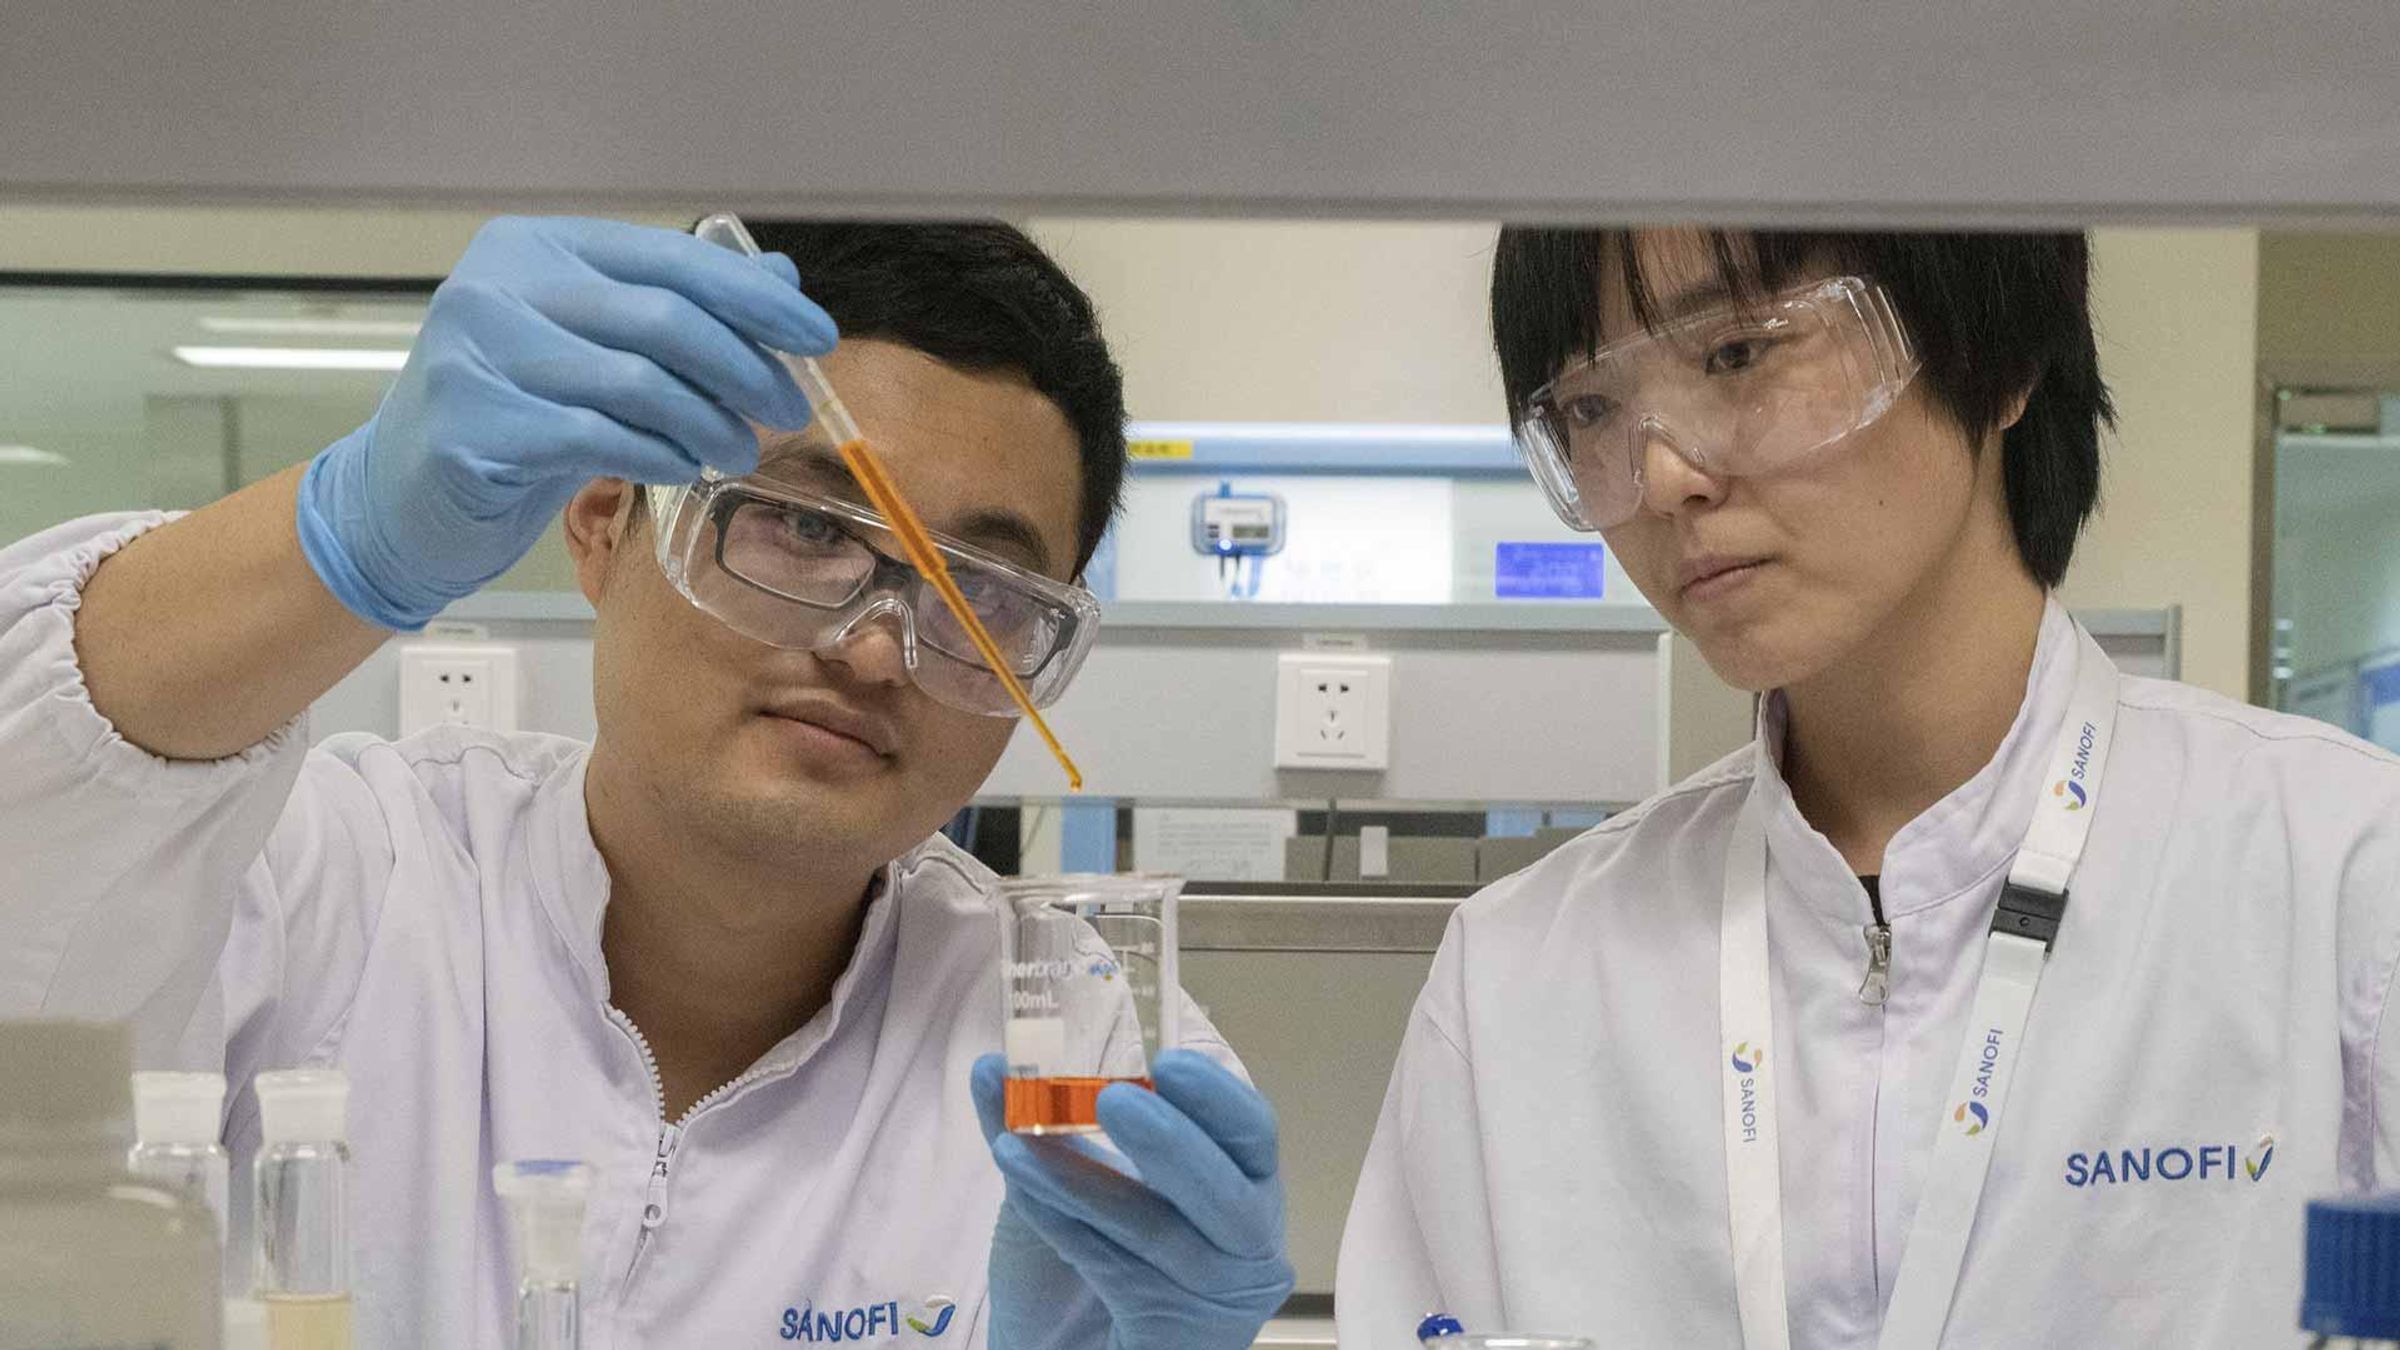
(1159, 449)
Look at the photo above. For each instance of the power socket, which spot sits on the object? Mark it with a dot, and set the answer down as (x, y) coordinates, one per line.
(1333, 711)
(467, 685)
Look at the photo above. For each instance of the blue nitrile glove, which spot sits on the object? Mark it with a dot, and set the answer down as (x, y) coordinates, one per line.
(1191, 1257)
(559, 351)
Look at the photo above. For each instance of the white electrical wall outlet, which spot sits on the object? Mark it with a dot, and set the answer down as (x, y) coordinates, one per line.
(465, 684)
(1333, 711)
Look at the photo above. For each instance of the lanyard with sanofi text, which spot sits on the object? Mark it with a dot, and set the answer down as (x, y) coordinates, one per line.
(2031, 907)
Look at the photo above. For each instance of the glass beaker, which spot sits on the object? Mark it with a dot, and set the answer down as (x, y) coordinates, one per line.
(1088, 968)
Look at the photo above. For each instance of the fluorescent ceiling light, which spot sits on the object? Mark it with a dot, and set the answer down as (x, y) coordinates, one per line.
(265, 326)
(293, 358)
(26, 454)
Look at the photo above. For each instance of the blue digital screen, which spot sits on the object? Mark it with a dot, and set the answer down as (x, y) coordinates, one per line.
(2382, 685)
(1549, 571)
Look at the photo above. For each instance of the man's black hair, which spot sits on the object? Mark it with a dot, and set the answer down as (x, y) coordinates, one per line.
(1993, 317)
(981, 296)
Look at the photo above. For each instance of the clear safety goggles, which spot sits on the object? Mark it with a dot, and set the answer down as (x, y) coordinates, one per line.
(800, 570)
(1740, 391)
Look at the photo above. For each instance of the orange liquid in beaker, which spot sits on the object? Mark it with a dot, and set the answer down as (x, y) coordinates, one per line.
(1057, 1105)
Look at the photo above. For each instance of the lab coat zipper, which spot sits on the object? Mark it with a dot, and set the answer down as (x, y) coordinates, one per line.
(1874, 991)
(654, 1201)
(670, 1136)
(1877, 986)
(670, 1133)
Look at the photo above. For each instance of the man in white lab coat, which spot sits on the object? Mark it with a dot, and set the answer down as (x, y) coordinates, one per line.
(720, 954)
(1991, 999)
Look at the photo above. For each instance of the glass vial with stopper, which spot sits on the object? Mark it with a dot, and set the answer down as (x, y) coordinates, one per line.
(302, 1215)
(2351, 1298)
(90, 1255)
(176, 1120)
(545, 1199)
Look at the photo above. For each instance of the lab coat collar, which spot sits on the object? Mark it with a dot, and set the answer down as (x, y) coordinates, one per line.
(573, 884)
(1961, 842)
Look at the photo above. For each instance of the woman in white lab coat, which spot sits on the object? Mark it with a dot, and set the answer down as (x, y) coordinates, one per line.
(1992, 997)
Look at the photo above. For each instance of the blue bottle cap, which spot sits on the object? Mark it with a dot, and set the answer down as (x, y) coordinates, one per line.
(1439, 1324)
(2353, 1286)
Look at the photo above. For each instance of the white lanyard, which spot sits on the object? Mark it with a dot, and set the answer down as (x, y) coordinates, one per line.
(2027, 923)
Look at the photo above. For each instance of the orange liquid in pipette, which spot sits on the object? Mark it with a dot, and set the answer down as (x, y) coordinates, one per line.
(1057, 1105)
(883, 494)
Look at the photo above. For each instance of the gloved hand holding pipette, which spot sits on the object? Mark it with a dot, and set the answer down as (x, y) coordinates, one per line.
(559, 351)
(1190, 1257)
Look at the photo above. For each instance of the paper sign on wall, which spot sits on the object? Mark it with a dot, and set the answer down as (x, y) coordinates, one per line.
(1212, 843)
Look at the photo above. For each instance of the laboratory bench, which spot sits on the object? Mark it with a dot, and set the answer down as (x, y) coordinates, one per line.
(1297, 1333)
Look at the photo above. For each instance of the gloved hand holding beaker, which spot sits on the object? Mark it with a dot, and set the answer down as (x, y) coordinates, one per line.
(1190, 1257)
(558, 351)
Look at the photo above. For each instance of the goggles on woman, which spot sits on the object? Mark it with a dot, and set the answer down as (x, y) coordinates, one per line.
(804, 571)
(1738, 391)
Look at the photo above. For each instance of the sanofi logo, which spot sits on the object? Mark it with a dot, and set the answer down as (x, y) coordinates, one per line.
(1972, 1112)
(833, 1326)
(2193, 1163)
(1746, 1060)
(940, 1310)
(2071, 790)
(2260, 1155)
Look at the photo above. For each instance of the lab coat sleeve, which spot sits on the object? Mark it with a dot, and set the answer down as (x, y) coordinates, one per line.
(2378, 990)
(181, 896)
(1419, 1237)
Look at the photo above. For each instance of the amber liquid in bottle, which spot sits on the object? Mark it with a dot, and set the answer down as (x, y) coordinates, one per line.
(1057, 1105)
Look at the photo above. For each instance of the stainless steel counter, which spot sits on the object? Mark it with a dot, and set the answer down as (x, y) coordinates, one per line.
(1313, 984)
(1295, 916)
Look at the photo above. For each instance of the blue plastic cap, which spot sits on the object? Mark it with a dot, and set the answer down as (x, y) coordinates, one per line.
(2353, 1286)
(1439, 1324)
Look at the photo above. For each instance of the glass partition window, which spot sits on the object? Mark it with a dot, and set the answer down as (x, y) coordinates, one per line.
(166, 394)
(2337, 559)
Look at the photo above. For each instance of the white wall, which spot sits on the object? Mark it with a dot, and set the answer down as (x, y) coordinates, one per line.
(2329, 307)
(1291, 321)
(2177, 313)
(264, 241)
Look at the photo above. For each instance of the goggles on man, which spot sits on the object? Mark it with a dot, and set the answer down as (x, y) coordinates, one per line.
(804, 571)
(1744, 390)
